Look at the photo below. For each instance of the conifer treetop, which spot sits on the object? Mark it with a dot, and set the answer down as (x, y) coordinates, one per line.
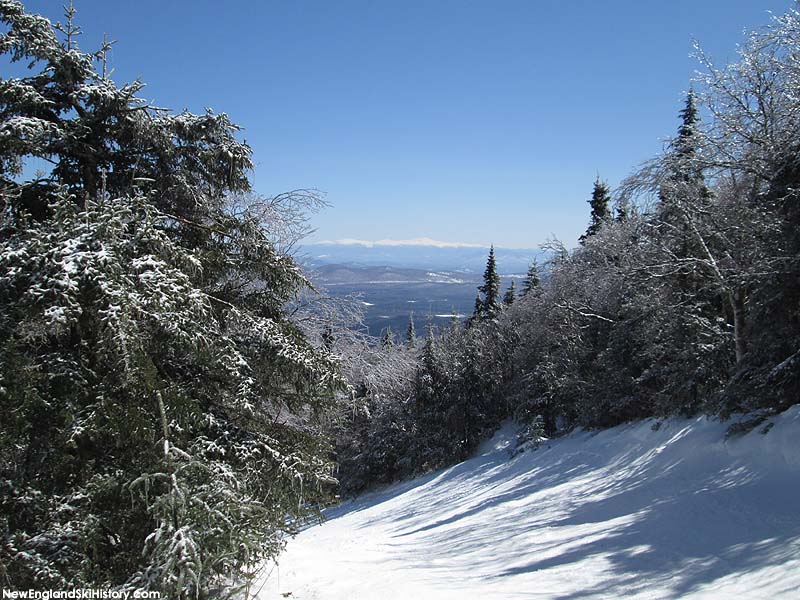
(411, 335)
(600, 208)
(511, 294)
(490, 303)
(532, 279)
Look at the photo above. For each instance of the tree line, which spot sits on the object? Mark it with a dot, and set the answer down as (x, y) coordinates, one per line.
(682, 297)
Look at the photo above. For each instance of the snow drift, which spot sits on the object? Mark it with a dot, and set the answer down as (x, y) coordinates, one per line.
(638, 511)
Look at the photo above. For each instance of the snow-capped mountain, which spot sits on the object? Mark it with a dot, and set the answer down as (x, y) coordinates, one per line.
(430, 255)
(334, 274)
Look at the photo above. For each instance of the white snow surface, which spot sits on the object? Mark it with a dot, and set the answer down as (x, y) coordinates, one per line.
(629, 512)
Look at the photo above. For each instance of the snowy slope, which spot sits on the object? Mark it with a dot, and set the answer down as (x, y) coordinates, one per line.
(630, 512)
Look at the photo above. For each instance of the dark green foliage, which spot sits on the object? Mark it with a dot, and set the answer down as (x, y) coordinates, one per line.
(601, 213)
(489, 306)
(411, 335)
(421, 410)
(461, 390)
(103, 138)
(533, 280)
(160, 416)
(685, 145)
(511, 294)
(477, 311)
(621, 212)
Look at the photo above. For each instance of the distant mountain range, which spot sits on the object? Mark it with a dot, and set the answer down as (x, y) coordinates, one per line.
(430, 256)
(349, 274)
(395, 279)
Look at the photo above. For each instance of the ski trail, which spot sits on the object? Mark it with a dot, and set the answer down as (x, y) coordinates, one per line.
(679, 512)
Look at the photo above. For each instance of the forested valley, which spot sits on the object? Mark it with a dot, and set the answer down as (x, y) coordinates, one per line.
(177, 398)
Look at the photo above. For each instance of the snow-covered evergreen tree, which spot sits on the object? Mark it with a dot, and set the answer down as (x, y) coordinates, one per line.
(532, 280)
(477, 310)
(411, 334)
(489, 306)
(601, 213)
(511, 294)
(158, 409)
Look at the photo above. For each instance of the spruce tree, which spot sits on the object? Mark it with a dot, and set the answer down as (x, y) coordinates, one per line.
(490, 303)
(681, 223)
(532, 280)
(477, 311)
(387, 339)
(601, 213)
(511, 294)
(683, 187)
(622, 212)
(428, 350)
(685, 144)
(428, 361)
(411, 335)
(426, 385)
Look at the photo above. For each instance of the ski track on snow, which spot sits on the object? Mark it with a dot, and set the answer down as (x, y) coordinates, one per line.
(679, 512)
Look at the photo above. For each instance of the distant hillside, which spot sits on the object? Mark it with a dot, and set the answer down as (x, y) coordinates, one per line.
(389, 295)
(466, 259)
(339, 274)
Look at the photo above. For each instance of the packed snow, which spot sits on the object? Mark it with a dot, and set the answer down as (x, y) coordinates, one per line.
(648, 510)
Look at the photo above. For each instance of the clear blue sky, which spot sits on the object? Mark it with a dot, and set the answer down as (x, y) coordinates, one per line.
(455, 120)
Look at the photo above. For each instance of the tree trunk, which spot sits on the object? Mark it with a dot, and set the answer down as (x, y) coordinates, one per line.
(737, 300)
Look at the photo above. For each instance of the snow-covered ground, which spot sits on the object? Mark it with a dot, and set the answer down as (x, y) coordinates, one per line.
(631, 512)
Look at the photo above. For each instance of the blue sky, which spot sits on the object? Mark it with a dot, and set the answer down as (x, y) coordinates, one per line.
(477, 122)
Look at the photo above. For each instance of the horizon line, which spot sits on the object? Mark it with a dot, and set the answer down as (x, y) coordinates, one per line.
(423, 241)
